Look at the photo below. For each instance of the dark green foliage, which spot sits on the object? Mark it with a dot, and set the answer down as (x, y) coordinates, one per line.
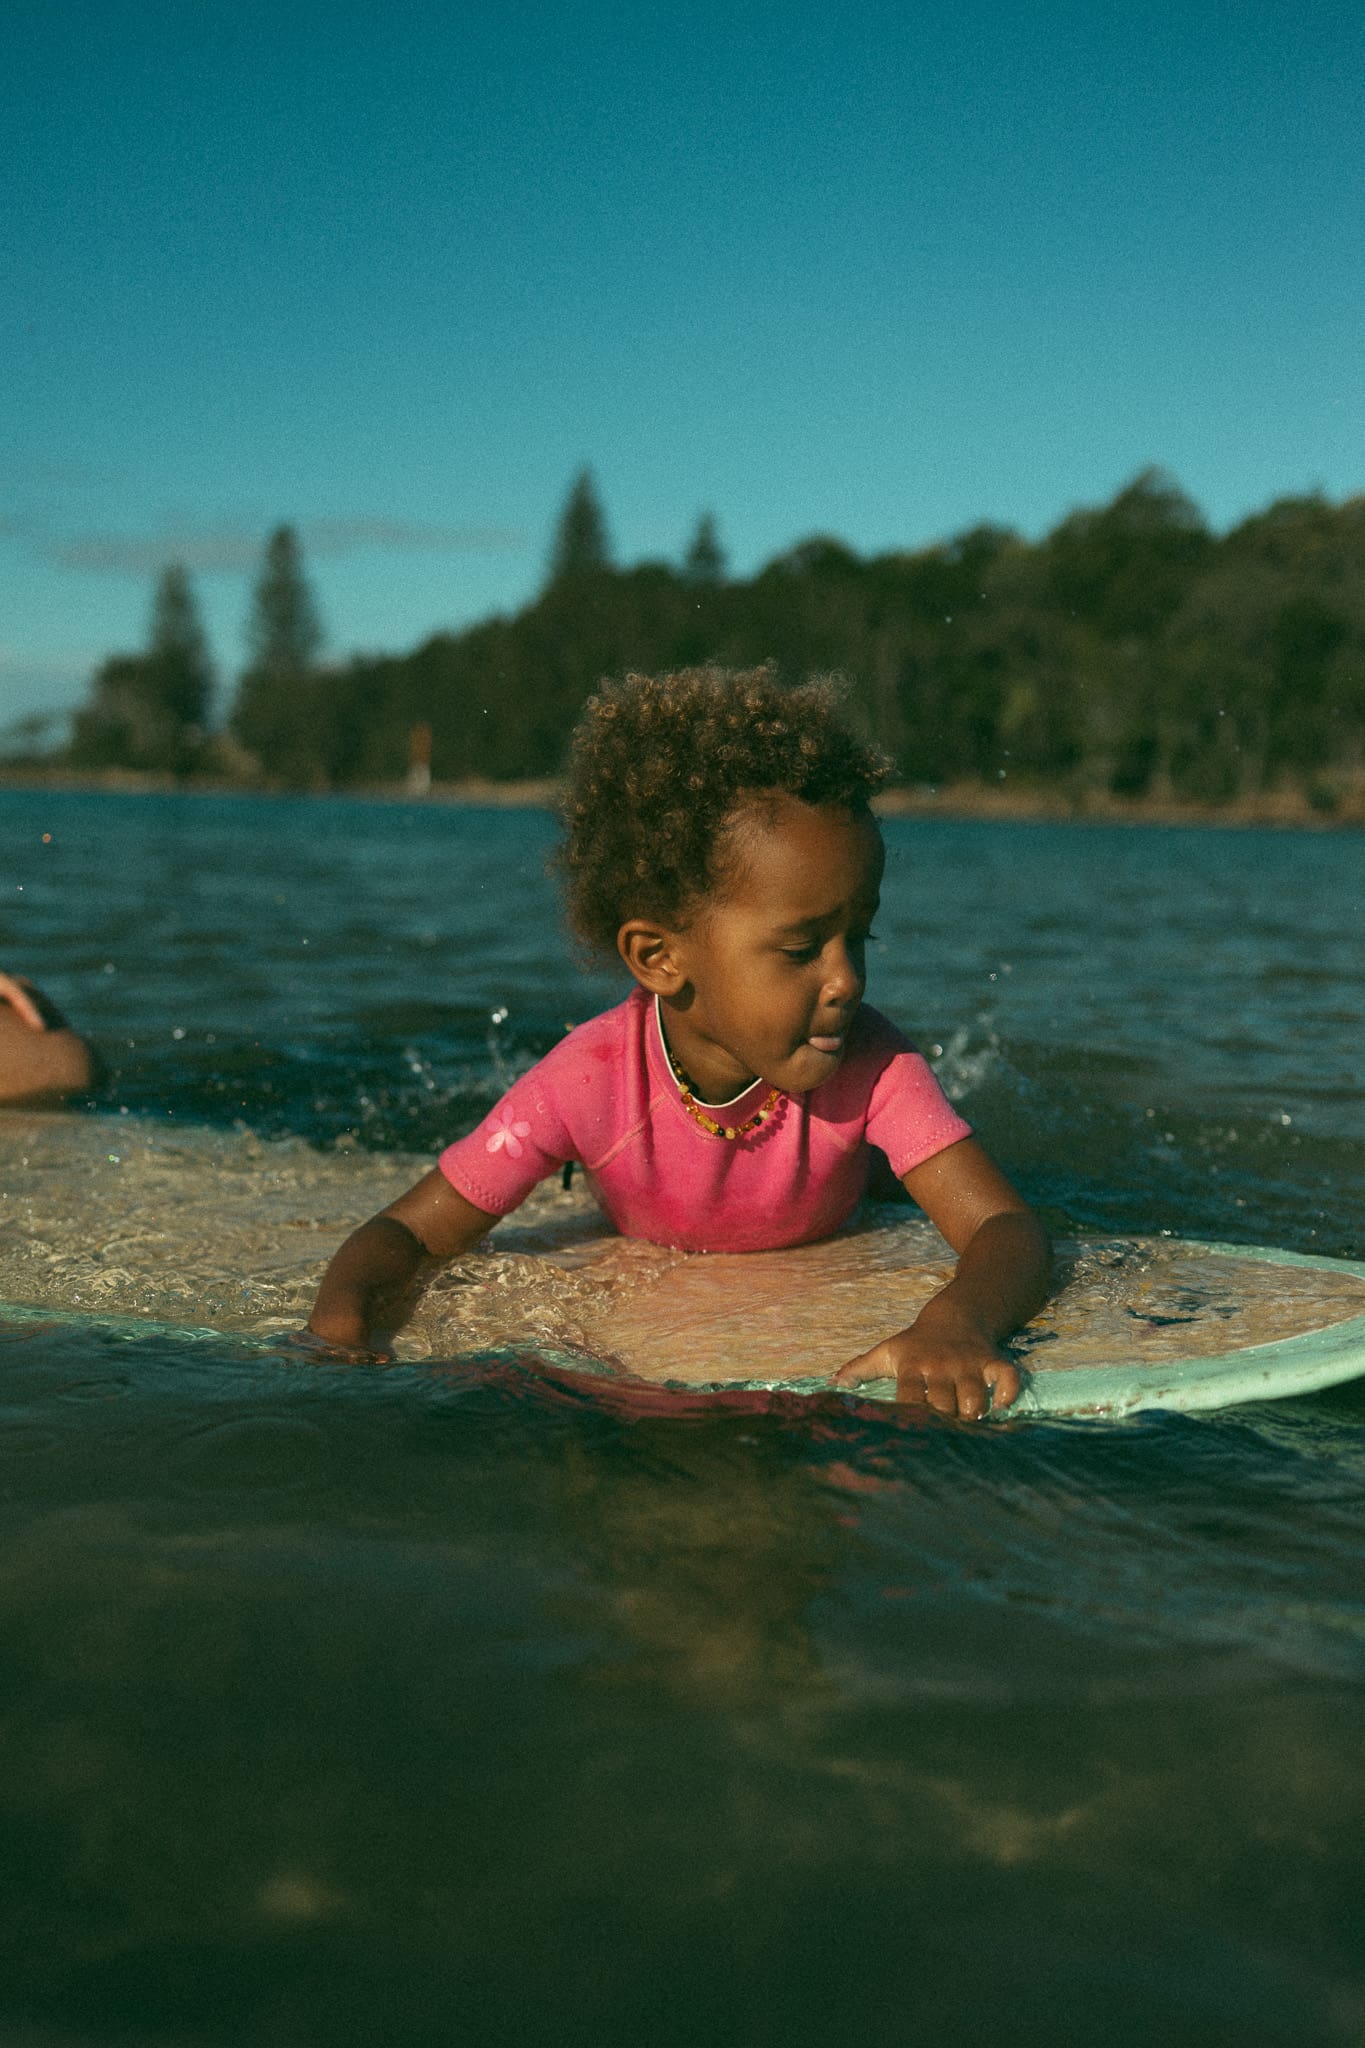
(30, 739)
(1125, 568)
(148, 711)
(1130, 651)
(580, 546)
(179, 652)
(284, 713)
(118, 726)
(704, 561)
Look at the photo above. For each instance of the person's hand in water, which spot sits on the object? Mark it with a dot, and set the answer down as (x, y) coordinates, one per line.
(315, 1350)
(944, 1361)
(41, 1057)
(366, 1291)
(948, 1358)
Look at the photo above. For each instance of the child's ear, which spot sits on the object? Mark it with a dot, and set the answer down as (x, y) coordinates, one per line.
(651, 954)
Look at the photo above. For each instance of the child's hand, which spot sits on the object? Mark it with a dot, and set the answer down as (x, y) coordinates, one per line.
(948, 1357)
(944, 1360)
(365, 1290)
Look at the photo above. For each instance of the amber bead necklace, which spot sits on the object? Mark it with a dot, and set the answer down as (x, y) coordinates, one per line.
(694, 1108)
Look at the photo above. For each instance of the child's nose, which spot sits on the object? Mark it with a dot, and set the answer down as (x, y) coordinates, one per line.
(844, 980)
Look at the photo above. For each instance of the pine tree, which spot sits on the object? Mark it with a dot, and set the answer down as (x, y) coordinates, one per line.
(274, 713)
(704, 561)
(179, 655)
(580, 545)
(149, 710)
(283, 634)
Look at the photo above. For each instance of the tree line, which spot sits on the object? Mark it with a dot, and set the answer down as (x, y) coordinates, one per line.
(1130, 651)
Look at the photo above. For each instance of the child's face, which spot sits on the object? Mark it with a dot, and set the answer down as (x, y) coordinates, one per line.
(774, 968)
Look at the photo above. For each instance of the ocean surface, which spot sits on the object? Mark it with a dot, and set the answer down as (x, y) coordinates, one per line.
(459, 1701)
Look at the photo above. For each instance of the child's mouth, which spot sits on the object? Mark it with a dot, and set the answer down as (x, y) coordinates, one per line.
(826, 1044)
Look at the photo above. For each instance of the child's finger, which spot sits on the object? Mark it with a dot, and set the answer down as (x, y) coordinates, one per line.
(973, 1399)
(862, 1368)
(1004, 1383)
(940, 1394)
(16, 993)
(969, 1395)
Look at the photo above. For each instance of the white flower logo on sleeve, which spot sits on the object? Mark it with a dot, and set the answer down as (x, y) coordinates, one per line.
(508, 1130)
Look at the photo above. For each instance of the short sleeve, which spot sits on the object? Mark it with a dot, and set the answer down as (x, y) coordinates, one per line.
(519, 1143)
(909, 1117)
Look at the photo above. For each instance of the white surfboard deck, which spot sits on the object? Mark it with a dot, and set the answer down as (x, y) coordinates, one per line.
(1076, 1360)
(139, 1229)
(1137, 1323)
(1325, 1297)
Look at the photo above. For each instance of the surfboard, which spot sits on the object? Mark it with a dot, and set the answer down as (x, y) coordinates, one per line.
(1136, 1324)
(210, 1235)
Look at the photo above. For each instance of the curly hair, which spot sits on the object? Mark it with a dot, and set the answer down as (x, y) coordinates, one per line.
(660, 765)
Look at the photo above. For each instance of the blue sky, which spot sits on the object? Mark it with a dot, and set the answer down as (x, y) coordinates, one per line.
(396, 275)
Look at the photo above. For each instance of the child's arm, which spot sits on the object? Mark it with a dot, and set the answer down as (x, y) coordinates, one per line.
(949, 1357)
(368, 1277)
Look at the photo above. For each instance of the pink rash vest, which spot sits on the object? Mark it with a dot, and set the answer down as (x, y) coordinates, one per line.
(606, 1096)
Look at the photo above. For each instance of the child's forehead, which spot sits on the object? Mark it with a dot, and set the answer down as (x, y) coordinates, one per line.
(788, 853)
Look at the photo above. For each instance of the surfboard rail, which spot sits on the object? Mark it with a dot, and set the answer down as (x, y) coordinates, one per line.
(1305, 1364)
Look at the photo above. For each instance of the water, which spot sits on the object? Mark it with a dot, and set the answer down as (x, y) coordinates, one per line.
(459, 1701)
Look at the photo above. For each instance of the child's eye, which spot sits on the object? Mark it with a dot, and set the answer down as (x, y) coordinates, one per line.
(800, 953)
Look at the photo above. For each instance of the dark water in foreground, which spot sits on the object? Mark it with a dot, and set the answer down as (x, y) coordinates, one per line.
(454, 1703)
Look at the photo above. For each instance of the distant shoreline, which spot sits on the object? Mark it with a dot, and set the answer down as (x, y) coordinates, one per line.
(1288, 810)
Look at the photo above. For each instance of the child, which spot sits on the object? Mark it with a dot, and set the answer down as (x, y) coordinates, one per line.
(719, 840)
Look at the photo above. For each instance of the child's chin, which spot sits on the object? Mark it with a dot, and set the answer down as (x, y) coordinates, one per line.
(810, 1067)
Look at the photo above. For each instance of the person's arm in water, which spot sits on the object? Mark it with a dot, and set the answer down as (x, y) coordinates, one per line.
(363, 1290)
(949, 1356)
(41, 1057)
